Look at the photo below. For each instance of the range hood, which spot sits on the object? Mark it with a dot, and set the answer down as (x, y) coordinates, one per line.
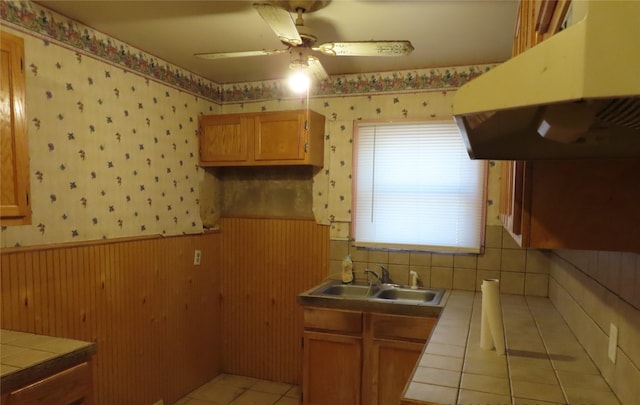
(575, 95)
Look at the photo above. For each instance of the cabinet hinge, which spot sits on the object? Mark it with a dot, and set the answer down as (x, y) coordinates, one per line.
(306, 147)
(21, 65)
(306, 125)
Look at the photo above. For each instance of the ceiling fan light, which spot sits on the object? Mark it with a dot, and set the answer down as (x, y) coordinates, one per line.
(299, 82)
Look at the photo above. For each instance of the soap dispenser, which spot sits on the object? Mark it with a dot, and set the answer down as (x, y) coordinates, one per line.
(347, 270)
(414, 279)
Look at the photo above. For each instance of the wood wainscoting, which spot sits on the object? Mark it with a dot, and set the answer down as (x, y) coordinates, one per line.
(162, 325)
(153, 314)
(267, 263)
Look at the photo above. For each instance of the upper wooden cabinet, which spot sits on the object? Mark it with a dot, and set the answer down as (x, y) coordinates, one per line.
(262, 139)
(14, 147)
(568, 204)
(538, 20)
(587, 204)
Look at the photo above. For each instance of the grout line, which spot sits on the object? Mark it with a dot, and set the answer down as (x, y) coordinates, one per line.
(506, 353)
(244, 390)
(546, 348)
(467, 343)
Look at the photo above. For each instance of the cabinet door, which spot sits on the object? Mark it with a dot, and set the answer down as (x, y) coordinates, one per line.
(572, 204)
(537, 21)
(280, 136)
(585, 205)
(70, 387)
(331, 373)
(392, 364)
(392, 346)
(14, 181)
(515, 191)
(226, 139)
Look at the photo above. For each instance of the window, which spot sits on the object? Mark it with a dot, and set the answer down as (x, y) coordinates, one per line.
(416, 188)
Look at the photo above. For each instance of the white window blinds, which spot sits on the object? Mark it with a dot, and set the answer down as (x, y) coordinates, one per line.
(416, 188)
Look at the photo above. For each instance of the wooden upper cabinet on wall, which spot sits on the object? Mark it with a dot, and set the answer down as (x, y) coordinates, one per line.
(14, 146)
(538, 20)
(276, 138)
(569, 204)
(586, 204)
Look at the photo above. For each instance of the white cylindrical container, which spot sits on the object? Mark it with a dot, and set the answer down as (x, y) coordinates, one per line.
(492, 326)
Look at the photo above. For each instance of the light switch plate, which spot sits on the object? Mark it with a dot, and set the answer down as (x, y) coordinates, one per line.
(613, 342)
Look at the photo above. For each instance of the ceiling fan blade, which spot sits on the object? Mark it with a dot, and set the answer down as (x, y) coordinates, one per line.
(316, 69)
(366, 48)
(280, 22)
(240, 54)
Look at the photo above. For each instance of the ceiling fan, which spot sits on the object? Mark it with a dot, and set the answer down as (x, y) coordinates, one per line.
(301, 43)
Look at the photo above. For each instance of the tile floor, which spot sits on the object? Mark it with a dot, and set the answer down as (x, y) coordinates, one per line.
(227, 389)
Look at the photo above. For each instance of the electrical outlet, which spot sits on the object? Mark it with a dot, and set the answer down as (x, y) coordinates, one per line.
(613, 342)
(197, 255)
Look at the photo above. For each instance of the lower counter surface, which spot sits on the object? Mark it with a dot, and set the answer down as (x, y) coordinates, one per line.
(544, 363)
(27, 357)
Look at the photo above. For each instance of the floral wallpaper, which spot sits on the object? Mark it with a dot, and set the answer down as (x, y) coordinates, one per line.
(113, 131)
(112, 154)
(332, 184)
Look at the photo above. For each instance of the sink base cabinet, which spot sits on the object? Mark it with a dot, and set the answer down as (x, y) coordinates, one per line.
(392, 363)
(354, 357)
(334, 375)
(393, 344)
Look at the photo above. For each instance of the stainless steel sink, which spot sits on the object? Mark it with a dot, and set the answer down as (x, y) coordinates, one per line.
(383, 294)
(348, 290)
(407, 294)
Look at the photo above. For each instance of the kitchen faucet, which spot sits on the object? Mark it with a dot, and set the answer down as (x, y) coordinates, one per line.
(384, 278)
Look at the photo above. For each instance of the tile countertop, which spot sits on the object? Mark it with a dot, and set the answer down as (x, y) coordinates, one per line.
(544, 364)
(26, 358)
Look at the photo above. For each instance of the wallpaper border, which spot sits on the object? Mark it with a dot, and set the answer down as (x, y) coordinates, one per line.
(49, 25)
(432, 79)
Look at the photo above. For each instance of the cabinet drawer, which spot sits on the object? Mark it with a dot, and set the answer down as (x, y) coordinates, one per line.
(385, 326)
(72, 386)
(333, 320)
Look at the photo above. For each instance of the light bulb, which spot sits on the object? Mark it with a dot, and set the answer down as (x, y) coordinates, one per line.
(299, 82)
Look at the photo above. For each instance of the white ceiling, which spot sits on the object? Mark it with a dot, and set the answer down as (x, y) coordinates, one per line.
(443, 33)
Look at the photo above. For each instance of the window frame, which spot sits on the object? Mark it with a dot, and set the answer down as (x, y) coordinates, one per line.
(413, 247)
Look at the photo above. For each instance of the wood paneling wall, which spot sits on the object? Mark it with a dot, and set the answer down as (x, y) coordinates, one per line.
(153, 314)
(266, 264)
(164, 326)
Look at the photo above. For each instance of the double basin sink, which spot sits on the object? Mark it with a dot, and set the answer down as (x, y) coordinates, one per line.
(379, 295)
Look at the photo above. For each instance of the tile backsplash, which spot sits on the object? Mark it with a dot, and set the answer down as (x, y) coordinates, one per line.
(592, 290)
(521, 271)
